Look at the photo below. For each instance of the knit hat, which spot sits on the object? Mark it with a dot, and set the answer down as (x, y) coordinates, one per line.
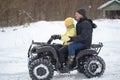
(68, 21)
(82, 12)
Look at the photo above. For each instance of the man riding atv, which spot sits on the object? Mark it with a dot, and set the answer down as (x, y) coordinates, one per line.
(80, 54)
(81, 40)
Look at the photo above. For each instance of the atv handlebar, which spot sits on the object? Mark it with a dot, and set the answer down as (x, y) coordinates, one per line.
(50, 40)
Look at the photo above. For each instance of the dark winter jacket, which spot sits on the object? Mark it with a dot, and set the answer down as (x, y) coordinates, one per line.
(84, 29)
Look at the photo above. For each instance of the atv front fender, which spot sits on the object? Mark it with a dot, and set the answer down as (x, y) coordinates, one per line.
(49, 49)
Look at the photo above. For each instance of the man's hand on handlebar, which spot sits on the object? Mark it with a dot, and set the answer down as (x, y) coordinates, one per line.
(56, 37)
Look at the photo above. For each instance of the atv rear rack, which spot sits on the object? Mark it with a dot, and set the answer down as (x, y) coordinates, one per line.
(97, 47)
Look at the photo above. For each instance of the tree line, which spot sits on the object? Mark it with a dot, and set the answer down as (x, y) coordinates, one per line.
(19, 12)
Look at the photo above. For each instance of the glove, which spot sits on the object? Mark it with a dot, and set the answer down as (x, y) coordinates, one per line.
(71, 39)
(56, 37)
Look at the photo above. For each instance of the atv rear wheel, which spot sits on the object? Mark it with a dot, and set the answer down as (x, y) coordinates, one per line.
(41, 70)
(94, 66)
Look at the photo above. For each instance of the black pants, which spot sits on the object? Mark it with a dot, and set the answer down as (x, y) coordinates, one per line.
(63, 54)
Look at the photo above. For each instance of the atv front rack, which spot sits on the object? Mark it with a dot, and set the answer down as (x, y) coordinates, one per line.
(97, 47)
(34, 43)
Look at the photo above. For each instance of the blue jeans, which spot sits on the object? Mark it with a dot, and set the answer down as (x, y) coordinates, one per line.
(73, 47)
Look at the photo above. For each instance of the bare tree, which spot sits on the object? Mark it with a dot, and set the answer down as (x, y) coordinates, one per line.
(18, 12)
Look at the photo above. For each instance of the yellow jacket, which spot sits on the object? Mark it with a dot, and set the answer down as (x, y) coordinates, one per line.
(71, 31)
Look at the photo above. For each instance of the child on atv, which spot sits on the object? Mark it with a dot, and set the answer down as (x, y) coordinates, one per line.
(71, 31)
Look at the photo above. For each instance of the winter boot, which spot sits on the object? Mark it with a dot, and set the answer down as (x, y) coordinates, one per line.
(64, 68)
(70, 60)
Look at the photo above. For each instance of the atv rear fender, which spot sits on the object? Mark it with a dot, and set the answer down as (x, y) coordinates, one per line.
(84, 53)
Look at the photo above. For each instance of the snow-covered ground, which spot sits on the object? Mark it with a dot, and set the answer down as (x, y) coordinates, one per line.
(15, 41)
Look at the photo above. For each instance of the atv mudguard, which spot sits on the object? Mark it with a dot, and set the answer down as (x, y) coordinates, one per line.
(86, 52)
(50, 49)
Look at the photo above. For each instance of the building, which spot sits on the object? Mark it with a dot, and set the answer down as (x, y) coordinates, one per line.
(110, 9)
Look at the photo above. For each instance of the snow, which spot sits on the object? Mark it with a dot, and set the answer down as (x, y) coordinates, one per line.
(15, 41)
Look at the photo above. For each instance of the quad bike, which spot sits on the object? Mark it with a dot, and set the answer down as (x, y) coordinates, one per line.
(43, 60)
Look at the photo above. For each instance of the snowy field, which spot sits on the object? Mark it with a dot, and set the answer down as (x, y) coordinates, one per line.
(14, 43)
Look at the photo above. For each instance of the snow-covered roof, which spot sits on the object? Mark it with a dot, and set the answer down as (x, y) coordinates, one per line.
(108, 3)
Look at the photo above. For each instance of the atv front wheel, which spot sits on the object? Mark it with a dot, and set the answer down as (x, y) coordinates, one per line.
(32, 59)
(41, 70)
(94, 67)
